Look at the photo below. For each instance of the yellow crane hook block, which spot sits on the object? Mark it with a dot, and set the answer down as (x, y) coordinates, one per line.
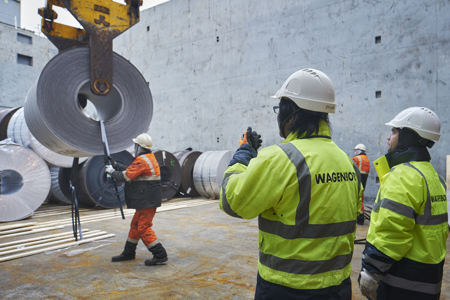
(102, 20)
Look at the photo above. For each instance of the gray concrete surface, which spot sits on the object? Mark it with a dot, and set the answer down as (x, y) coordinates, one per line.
(16, 79)
(211, 256)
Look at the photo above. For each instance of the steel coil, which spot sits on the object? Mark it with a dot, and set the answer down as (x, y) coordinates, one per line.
(94, 186)
(56, 195)
(18, 129)
(20, 134)
(170, 173)
(5, 116)
(55, 115)
(208, 172)
(52, 158)
(24, 182)
(187, 161)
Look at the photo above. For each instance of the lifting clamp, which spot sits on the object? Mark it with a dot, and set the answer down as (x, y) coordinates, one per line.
(102, 20)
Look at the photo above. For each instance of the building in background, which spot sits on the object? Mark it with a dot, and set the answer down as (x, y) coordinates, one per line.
(10, 12)
(22, 56)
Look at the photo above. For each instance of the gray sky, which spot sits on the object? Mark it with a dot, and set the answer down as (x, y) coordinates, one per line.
(30, 19)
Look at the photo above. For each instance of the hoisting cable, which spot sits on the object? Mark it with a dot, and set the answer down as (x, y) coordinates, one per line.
(108, 158)
(76, 224)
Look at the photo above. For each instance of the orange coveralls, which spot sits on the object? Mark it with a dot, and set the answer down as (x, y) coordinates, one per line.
(144, 168)
(363, 164)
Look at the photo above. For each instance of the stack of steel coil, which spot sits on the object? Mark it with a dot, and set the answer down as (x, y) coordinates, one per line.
(208, 172)
(24, 182)
(170, 173)
(187, 159)
(94, 187)
(5, 117)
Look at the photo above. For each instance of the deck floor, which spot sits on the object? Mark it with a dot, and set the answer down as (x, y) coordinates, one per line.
(211, 256)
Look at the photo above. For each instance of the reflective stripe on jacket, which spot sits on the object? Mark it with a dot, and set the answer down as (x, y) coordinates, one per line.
(362, 162)
(408, 224)
(144, 167)
(306, 192)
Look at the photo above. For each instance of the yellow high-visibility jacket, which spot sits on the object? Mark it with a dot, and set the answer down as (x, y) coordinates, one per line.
(306, 192)
(408, 229)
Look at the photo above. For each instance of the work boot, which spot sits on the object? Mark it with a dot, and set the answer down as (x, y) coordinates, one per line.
(360, 219)
(128, 253)
(159, 255)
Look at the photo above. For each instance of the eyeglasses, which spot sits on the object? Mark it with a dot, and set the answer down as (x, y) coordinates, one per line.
(276, 109)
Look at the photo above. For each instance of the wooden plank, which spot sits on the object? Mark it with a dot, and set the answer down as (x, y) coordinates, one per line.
(84, 241)
(84, 219)
(59, 241)
(58, 212)
(44, 237)
(31, 231)
(104, 217)
(111, 215)
(18, 225)
(5, 232)
(42, 241)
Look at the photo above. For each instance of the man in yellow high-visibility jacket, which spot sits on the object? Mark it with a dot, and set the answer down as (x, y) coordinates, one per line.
(305, 192)
(406, 243)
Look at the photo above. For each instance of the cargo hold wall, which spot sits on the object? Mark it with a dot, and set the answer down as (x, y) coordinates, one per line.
(212, 65)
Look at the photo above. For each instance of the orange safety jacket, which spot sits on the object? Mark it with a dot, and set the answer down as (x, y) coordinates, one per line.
(362, 162)
(144, 167)
(142, 182)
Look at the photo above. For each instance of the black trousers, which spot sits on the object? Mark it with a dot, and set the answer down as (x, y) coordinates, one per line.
(266, 290)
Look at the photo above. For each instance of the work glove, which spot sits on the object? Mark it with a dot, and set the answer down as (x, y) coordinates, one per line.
(251, 138)
(109, 169)
(109, 160)
(368, 284)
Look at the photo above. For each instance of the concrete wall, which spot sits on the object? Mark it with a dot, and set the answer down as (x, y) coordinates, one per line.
(15, 78)
(10, 12)
(212, 65)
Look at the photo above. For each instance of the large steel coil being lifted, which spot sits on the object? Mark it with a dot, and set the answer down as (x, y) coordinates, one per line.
(52, 158)
(187, 161)
(24, 182)
(208, 172)
(54, 106)
(170, 173)
(5, 116)
(94, 186)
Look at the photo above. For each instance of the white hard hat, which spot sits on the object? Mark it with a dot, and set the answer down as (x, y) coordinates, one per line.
(360, 147)
(419, 119)
(310, 89)
(144, 140)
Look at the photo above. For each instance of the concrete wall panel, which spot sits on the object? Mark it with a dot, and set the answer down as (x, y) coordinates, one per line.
(207, 91)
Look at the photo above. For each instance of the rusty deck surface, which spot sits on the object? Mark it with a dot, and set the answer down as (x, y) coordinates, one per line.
(211, 256)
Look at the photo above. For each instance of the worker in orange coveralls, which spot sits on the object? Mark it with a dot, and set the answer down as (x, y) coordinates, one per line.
(142, 192)
(362, 162)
